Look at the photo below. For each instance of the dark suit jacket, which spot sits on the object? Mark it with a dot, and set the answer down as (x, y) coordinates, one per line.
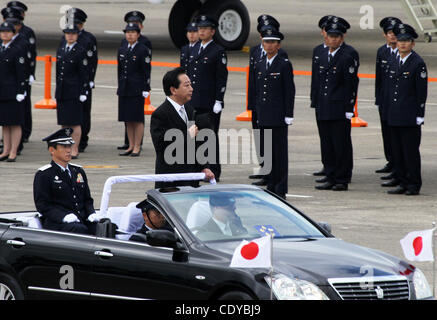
(165, 118)
(13, 71)
(407, 91)
(271, 92)
(336, 86)
(212, 227)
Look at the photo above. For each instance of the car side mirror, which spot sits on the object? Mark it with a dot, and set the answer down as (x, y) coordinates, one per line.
(162, 238)
(325, 226)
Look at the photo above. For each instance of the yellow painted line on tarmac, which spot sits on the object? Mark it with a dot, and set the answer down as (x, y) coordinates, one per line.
(246, 49)
(101, 167)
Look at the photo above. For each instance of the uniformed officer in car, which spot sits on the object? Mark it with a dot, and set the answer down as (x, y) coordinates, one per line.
(271, 94)
(89, 42)
(133, 87)
(334, 103)
(189, 50)
(60, 189)
(136, 17)
(386, 52)
(209, 74)
(153, 220)
(407, 93)
(72, 83)
(29, 35)
(13, 91)
(258, 53)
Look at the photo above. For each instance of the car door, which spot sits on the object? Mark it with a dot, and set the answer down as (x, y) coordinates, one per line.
(134, 270)
(49, 263)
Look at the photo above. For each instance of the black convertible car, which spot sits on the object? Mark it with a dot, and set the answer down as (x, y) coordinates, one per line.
(309, 263)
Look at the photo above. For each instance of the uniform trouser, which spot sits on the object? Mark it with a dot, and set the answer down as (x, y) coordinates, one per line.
(405, 142)
(278, 177)
(321, 150)
(86, 122)
(27, 124)
(336, 147)
(216, 168)
(259, 143)
(75, 227)
(386, 141)
(350, 155)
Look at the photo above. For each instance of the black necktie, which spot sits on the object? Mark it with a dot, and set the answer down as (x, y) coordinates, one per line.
(268, 65)
(130, 49)
(2, 48)
(263, 55)
(68, 49)
(401, 63)
(329, 57)
(201, 50)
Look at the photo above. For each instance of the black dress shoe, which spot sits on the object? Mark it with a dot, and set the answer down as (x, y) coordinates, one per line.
(135, 154)
(123, 147)
(398, 190)
(386, 169)
(320, 173)
(391, 183)
(4, 157)
(256, 176)
(322, 180)
(127, 153)
(262, 182)
(11, 159)
(388, 177)
(411, 192)
(340, 187)
(326, 186)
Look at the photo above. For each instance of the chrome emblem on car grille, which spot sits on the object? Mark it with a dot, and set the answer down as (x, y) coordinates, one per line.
(379, 292)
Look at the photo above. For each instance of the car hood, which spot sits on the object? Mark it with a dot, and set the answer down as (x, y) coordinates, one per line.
(316, 260)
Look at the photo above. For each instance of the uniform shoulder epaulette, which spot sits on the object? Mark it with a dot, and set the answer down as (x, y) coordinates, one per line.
(76, 165)
(45, 167)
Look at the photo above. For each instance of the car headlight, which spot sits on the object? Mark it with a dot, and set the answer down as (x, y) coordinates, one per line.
(421, 285)
(286, 288)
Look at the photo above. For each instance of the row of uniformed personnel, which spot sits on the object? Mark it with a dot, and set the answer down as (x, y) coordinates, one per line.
(17, 69)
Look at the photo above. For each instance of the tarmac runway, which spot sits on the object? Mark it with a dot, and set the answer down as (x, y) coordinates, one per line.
(365, 215)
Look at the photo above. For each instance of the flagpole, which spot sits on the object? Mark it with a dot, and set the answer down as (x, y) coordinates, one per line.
(433, 262)
(271, 266)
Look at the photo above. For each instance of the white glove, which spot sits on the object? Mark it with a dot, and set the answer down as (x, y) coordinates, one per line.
(31, 80)
(69, 218)
(145, 94)
(193, 131)
(93, 217)
(419, 120)
(20, 97)
(288, 120)
(349, 115)
(91, 84)
(217, 107)
(82, 98)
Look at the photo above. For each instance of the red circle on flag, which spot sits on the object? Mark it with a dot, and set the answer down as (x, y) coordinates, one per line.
(417, 245)
(250, 251)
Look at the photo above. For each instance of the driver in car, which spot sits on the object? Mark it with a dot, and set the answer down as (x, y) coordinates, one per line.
(153, 220)
(224, 219)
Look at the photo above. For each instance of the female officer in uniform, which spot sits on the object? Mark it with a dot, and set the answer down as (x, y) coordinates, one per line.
(133, 87)
(12, 91)
(71, 84)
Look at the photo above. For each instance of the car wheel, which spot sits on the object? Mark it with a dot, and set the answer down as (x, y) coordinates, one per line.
(9, 288)
(181, 14)
(233, 22)
(235, 295)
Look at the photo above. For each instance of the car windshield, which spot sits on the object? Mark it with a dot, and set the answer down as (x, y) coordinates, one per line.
(244, 214)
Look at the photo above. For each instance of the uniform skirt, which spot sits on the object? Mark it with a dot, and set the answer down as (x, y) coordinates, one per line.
(131, 109)
(11, 113)
(69, 112)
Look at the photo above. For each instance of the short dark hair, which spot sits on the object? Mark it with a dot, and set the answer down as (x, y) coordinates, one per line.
(171, 79)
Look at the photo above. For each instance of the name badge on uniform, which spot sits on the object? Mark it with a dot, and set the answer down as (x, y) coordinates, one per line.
(79, 178)
(275, 74)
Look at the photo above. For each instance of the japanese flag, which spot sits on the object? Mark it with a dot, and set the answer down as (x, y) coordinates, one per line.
(417, 245)
(254, 254)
